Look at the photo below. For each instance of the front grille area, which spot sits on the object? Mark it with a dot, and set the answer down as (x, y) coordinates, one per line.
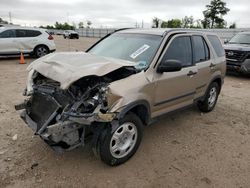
(42, 106)
(235, 55)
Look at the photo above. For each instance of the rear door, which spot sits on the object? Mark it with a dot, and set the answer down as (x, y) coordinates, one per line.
(204, 63)
(176, 89)
(26, 39)
(7, 42)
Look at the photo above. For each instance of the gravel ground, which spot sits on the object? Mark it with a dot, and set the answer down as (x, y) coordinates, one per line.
(186, 149)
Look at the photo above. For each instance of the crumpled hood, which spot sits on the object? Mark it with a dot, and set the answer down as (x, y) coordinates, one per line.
(239, 47)
(68, 67)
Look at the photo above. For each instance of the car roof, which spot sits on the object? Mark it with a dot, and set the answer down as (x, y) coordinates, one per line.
(245, 32)
(163, 31)
(20, 27)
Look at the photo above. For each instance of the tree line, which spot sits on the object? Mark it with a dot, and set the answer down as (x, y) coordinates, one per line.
(2, 21)
(213, 18)
(67, 26)
(58, 25)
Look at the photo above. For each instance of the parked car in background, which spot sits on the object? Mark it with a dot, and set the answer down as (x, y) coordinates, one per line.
(120, 84)
(33, 41)
(59, 32)
(70, 34)
(238, 53)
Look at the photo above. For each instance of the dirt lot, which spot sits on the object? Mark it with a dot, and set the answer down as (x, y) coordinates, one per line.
(187, 149)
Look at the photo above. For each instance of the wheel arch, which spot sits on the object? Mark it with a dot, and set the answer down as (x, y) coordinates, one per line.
(141, 108)
(39, 46)
(218, 79)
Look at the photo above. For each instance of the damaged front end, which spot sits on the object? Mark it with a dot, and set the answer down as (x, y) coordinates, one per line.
(62, 117)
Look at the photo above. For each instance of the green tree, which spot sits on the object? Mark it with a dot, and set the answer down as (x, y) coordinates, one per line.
(47, 27)
(156, 22)
(232, 26)
(64, 26)
(173, 23)
(89, 23)
(164, 24)
(3, 21)
(81, 25)
(213, 15)
(198, 23)
(188, 22)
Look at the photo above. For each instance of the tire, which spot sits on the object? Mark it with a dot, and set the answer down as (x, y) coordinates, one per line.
(41, 51)
(211, 97)
(126, 139)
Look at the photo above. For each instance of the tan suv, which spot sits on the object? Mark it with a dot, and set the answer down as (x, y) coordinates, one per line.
(120, 84)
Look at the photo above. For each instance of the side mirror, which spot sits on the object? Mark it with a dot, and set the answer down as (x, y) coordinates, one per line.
(226, 41)
(169, 66)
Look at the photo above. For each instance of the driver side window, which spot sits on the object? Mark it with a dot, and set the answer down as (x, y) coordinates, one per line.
(180, 49)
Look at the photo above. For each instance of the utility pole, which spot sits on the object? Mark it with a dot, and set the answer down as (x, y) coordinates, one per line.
(136, 25)
(10, 18)
(142, 24)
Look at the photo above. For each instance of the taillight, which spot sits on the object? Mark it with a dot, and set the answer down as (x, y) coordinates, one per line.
(50, 37)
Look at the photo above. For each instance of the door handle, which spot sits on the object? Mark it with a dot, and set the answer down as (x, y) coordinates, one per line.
(212, 65)
(191, 73)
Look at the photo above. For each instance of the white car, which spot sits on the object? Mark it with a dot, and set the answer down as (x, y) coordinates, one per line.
(32, 41)
(70, 34)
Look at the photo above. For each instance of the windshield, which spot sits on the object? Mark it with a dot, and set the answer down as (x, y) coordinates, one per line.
(139, 48)
(240, 39)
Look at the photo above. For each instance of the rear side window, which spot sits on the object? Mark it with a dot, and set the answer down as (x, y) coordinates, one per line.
(7, 34)
(27, 33)
(201, 51)
(32, 33)
(215, 41)
(180, 49)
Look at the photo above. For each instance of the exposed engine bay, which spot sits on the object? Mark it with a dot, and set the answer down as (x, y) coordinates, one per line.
(62, 117)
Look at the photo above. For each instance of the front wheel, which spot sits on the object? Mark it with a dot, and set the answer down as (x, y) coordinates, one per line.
(210, 99)
(117, 147)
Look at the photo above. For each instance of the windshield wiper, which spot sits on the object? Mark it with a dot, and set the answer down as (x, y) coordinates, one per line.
(244, 43)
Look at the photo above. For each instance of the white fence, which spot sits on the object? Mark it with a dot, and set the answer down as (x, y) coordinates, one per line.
(96, 32)
(226, 33)
(101, 32)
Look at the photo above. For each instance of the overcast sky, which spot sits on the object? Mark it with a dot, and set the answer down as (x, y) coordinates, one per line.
(114, 13)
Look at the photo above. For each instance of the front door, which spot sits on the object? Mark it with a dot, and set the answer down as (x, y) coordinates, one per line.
(176, 89)
(7, 42)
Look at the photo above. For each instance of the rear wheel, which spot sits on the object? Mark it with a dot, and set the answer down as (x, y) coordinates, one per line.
(211, 97)
(117, 147)
(41, 51)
